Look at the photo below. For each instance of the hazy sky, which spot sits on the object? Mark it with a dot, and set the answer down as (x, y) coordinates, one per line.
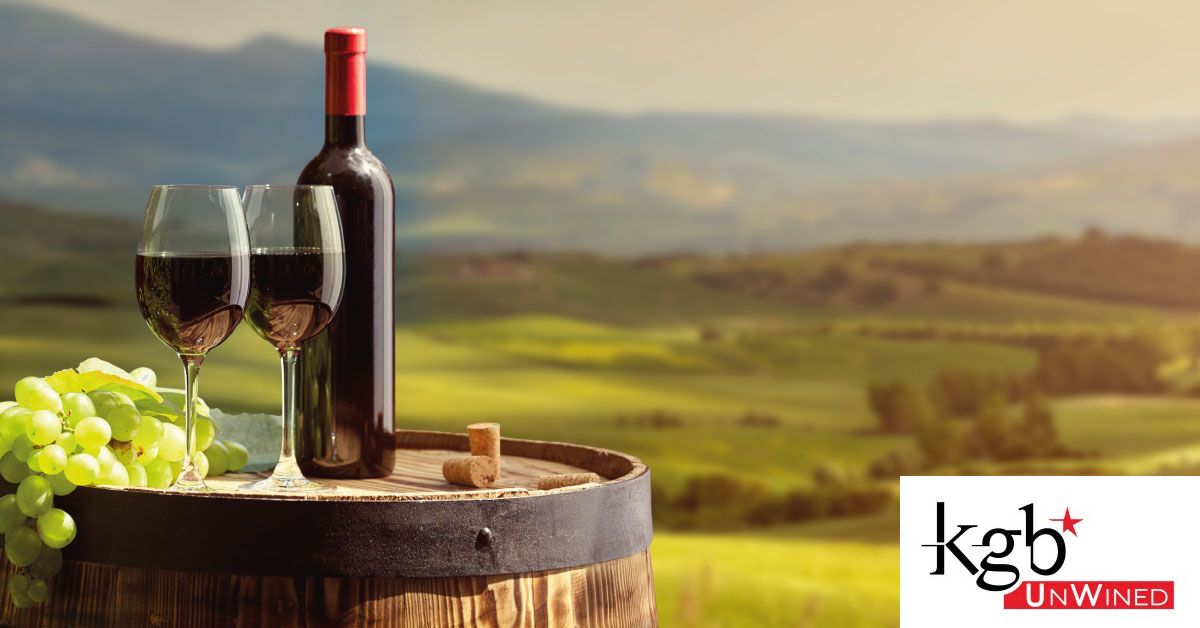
(1020, 59)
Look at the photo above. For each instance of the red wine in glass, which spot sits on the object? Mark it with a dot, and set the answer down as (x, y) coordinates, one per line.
(192, 302)
(294, 293)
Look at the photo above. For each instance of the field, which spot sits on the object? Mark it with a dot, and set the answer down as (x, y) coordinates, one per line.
(798, 578)
(643, 358)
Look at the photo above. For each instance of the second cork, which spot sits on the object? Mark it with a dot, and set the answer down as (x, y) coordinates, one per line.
(485, 440)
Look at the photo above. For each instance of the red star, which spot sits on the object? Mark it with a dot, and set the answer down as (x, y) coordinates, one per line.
(1068, 523)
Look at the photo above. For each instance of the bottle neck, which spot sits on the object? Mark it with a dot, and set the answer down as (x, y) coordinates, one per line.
(345, 97)
(345, 131)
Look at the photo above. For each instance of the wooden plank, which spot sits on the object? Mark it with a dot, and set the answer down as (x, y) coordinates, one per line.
(617, 594)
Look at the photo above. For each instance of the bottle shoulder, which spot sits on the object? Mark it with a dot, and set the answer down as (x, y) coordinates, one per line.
(336, 164)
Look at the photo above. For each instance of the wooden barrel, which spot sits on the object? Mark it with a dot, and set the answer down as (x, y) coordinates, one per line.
(406, 550)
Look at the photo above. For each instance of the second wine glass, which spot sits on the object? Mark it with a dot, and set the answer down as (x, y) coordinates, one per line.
(297, 278)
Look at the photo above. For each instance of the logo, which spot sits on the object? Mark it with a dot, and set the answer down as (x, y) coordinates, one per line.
(998, 561)
(1000, 558)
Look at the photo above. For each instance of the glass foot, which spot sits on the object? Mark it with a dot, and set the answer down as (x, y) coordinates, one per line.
(193, 486)
(287, 484)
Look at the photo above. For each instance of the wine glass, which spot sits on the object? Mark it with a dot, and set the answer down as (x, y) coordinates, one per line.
(298, 277)
(193, 277)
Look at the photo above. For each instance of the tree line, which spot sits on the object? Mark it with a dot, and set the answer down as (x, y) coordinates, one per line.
(1066, 364)
(965, 415)
(1097, 265)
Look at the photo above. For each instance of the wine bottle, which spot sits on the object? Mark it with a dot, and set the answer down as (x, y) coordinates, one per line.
(346, 416)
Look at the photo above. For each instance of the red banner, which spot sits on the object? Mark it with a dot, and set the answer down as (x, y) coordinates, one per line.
(1108, 595)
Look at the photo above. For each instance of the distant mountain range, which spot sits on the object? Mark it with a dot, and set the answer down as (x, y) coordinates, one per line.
(90, 118)
(1151, 190)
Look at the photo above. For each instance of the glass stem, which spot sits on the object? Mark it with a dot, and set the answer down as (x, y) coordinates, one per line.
(189, 477)
(287, 470)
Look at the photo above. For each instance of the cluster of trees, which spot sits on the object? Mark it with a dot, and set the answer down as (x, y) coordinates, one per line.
(1089, 365)
(1068, 364)
(1097, 265)
(665, 420)
(964, 416)
(1117, 268)
(720, 501)
(654, 419)
(759, 419)
(834, 281)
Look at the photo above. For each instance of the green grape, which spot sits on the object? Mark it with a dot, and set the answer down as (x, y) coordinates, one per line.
(22, 601)
(37, 591)
(48, 563)
(148, 432)
(11, 516)
(5, 406)
(137, 475)
(34, 393)
(106, 401)
(146, 454)
(33, 461)
(13, 422)
(93, 432)
(106, 458)
(238, 456)
(52, 459)
(124, 422)
(158, 474)
(18, 584)
(145, 376)
(34, 496)
(218, 458)
(125, 452)
(44, 427)
(117, 475)
(22, 447)
(12, 469)
(77, 406)
(5, 446)
(66, 440)
(206, 433)
(82, 469)
(23, 546)
(60, 485)
(171, 445)
(56, 528)
(201, 464)
(176, 469)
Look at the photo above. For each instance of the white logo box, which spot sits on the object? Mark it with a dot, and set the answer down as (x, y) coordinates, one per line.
(1130, 529)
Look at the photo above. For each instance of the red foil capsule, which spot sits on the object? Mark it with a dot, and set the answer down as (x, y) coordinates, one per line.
(345, 71)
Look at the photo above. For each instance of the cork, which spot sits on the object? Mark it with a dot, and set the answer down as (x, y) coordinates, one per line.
(477, 471)
(485, 440)
(548, 482)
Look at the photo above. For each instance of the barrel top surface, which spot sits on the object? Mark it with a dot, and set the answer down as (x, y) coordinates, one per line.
(418, 475)
(410, 524)
(418, 472)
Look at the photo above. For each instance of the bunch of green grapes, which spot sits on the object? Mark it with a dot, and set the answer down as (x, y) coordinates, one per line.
(50, 444)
